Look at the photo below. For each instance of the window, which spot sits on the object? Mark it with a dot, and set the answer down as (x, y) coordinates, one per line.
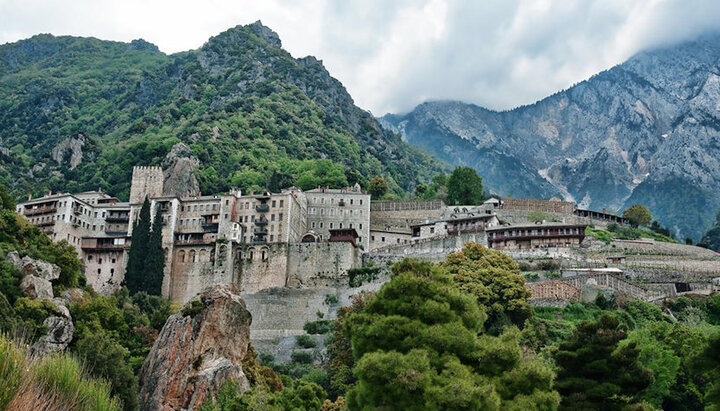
(273, 203)
(321, 224)
(360, 226)
(272, 217)
(282, 203)
(99, 271)
(227, 202)
(271, 238)
(351, 225)
(360, 201)
(432, 230)
(90, 258)
(351, 201)
(99, 260)
(331, 225)
(280, 216)
(340, 225)
(382, 239)
(112, 271)
(113, 261)
(182, 256)
(312, 224)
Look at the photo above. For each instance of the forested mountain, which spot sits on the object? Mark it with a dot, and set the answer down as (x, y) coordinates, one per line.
(78, 113)
(646, 131)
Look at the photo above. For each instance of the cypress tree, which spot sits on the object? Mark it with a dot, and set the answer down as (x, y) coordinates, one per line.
(138, 253)
(155, 259)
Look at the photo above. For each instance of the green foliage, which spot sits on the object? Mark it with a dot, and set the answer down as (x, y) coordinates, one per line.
(146, 257)
(417, 340)
(132, 105)
(331, 299)
(302, 357)
(55, 381)
(318, 327)
(638, 215)
(494, 280)
(359, 276)
(595, 371)
(107, 359)
(32, 314)
(194, 308)
(711, 239)
(17, 234)
(626, 233)
(377, 187)
(464, 187)
(306, 341)
(539, 216)
(7, 202)
(302, 395)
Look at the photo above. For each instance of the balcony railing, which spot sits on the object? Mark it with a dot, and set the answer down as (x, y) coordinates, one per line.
(40, 210)
(259, 240)
(117, 247)
(116, 233)
(262, 208)
(260, 231)
(261, 222)
(464, 230)
(495, 238)
(45, 223)
(117, 219)
(341, 203)
(194, 241)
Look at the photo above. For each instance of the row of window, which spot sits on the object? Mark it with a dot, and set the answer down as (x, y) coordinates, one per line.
(199, 207)
(550, 232)
(331, 211)
(331, 225)
(332, 200)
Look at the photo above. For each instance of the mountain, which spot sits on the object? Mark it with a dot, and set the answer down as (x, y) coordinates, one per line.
(78, 113)
(646, 131)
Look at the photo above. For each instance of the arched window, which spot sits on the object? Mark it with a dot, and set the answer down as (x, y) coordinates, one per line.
(203, 255)
(264, 255)
(192, 256)
(182, 256)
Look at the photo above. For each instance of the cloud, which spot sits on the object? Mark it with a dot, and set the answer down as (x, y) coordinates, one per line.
(394, 55)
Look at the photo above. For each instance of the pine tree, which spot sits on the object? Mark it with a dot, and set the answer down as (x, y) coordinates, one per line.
(596, 371)
(155, 259)
(138, 253)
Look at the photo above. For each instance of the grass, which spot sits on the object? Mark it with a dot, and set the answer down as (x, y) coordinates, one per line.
(52, 382)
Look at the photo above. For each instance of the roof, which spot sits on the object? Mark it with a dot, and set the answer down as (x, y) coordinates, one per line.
(454, 217)
(396, 230)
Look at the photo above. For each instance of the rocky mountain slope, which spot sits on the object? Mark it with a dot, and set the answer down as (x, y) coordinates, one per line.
(646, 131)
(78, 113)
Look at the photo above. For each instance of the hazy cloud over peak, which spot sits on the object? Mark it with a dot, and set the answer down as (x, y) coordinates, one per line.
(394, 55)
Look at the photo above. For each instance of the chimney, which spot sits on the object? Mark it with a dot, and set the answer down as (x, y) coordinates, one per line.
(29, 197)
(604, 210)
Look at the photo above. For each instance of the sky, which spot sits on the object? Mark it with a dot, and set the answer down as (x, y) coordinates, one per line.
(394, 54)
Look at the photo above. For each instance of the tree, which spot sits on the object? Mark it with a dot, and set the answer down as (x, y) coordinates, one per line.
(378, 187)
(7, 202)
(538, 216)
(138, 253)
(595, 371)
(420, 190)
(711, 239)
(417, 346)
(464, 187)
(494, 280)
(638, 215)
(155, 258)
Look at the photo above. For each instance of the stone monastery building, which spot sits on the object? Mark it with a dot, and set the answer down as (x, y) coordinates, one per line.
(294, 238)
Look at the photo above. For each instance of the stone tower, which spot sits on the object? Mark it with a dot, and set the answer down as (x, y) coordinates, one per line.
(146, 181)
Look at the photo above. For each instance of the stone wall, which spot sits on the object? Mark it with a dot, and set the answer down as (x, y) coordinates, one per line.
(323, 264)
(146, 181)
(554, 206)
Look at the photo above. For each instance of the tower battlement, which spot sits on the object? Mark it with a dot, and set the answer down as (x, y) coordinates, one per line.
(146, 181)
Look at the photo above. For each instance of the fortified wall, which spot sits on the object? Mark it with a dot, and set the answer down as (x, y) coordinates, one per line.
(257, 267)
(404, 213)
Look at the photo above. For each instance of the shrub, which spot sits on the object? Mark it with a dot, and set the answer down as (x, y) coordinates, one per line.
(306, 341)
(302, 357)
(548, 265)
(358, 276)
(331, 299)
(318, 327)
(193, 309)
(525, 266)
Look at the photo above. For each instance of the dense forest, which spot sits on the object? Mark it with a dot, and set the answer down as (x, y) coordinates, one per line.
(78, 113)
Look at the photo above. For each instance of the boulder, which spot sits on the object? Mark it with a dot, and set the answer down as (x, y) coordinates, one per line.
(36, 287)
(72, 295)
(198, 349)
(59, 335)
(31, 266)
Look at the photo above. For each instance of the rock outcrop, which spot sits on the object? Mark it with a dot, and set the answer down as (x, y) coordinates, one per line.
(73, 146)
(198, 349)
(178, 176)
(37, 268)
(60, 333)
(36, 287)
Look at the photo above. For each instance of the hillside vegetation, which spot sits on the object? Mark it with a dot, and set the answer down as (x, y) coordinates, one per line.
(78, 113)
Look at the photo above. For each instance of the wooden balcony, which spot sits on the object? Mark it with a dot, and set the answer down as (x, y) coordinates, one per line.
(40, 210)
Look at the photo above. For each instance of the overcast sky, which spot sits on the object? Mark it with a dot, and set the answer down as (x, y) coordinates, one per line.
(394, 54)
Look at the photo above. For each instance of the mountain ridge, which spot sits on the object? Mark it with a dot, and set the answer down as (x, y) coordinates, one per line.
(252, 114)
(606, 142)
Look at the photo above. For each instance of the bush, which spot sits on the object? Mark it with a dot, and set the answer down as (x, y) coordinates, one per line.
(548, 265)
(193, 309)
(358, 276)
(318, 327)
(302, 357)
(525, 266)
(306, 341)
(331, 299)
(55, 381)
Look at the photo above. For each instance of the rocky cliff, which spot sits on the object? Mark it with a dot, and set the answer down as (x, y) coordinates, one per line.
(646, 131)
(197, 350)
